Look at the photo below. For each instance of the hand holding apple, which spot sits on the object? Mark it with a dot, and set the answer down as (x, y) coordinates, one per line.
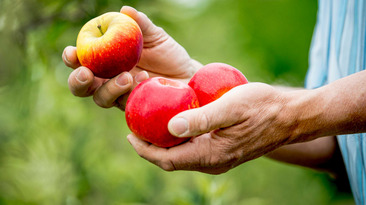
(161, 56)
(242, 125)
(109, 44)
(155, 101)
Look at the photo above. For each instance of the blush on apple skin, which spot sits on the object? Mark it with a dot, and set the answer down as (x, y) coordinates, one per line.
(152, 104)
(215, 79)
(110, 44)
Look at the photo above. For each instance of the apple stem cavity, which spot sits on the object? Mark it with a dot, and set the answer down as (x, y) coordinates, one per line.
(100, 29)
(167, 82)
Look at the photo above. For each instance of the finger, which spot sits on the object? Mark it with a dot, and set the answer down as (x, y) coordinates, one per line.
(220, 113)
(122, 100)
(82, 82)
(106, 95)
(70, 58)
(150, 152)
(193, 155)
(141, 76)
(148, 28)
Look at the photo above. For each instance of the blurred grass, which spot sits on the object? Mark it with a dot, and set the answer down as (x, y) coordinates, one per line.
(59, 149)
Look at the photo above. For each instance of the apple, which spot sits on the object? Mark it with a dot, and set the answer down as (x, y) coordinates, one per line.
(109, 44)
(215, 79)
(152, 104)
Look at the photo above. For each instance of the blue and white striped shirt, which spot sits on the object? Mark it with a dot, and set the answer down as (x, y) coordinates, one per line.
(337, 50)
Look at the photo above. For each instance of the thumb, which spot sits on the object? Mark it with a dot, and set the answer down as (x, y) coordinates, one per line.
(148, 28)
(220, 113)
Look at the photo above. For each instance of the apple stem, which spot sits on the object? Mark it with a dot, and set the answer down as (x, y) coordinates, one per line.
(100, 29)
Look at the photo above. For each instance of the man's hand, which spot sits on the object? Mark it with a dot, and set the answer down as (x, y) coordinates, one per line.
(245, 123)
(161, 56)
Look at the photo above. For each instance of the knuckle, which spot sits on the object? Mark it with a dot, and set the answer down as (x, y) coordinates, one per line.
(99, 101)
(203, 123)
(237, 113)
(141, 153)
(74, 86)
(159, 35)
(159, 30)
(225, 156)
(214, 161)
(167, 165)
(103, 97)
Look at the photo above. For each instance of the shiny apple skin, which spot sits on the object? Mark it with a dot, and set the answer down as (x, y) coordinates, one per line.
(215, 79)
(114, 50)
(152, 104)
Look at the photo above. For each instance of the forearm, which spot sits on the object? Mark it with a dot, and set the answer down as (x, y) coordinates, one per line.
(322, 154)
(319, 154)
(337, 108)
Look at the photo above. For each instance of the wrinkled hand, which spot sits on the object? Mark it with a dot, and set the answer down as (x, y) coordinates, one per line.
(245, 123)
(161, 56)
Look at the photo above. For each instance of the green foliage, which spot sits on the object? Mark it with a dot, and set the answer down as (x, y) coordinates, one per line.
(59, 149)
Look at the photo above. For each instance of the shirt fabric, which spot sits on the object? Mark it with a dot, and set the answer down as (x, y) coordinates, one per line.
(338, 50)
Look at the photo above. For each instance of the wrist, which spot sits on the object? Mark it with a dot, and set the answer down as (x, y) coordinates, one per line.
(303, 115)
(335, 109)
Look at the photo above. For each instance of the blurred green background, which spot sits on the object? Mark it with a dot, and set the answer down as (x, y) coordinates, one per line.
(59, 149)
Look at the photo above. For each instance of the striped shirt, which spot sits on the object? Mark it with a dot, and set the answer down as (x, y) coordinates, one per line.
(337, 50)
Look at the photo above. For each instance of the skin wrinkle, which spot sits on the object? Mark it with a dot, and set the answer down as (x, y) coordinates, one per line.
(181, 164)
(296, 123)
(102, 96)
(282, 120)
(156, 160)
(226, 145)
(158, 38)
(270, 112)
(236, 111)
(187, 67)
(145, 24)
(203, 161)
(288, 127)
(80, 89)
(172, 165)
(167, 69)
(182, 63)
(216, 159)
(98, 100)
(203, 122)
(90, 90)
(317, 121)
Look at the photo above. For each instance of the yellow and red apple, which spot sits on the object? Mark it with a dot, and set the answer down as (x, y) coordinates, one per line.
(109, 44)
(152, 104)
(215, 79)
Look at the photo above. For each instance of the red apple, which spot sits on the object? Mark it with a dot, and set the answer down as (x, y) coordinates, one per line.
(152, 104)
(109, 44)
(213, 80)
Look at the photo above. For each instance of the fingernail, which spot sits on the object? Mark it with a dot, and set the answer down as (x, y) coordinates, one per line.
(179, 126)
(123, 7)
(65, 56)
(122, 80)
(141, 77)
(81, 76)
